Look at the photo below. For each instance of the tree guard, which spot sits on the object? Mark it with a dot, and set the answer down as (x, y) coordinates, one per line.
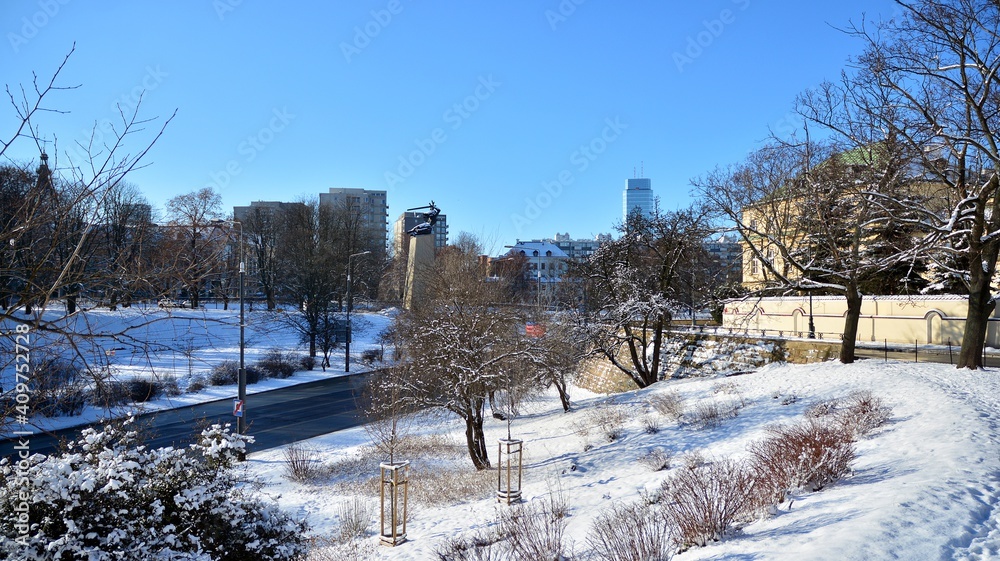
(509, 470)
(392, 515)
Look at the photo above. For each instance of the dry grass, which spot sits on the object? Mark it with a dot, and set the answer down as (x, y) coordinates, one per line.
(669, 404)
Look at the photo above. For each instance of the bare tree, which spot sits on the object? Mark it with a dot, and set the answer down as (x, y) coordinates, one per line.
(192, 214)
(940, 60)
(634, 287)
(818, 217)
(462, 343)
(50, 230)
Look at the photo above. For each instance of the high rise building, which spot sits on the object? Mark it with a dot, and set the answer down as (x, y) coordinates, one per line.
(408, 220)
(638, 193)
(372, 205)
(265, 208)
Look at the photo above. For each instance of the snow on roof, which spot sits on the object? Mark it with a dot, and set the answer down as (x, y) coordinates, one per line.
(543, 249)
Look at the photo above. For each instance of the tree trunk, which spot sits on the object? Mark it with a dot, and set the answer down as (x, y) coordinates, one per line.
(563, 392)
(981, 306)
(270, 300)
(474, 437)
(851, 324)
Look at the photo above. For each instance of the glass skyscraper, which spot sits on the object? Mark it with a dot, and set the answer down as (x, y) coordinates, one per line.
(638, 194)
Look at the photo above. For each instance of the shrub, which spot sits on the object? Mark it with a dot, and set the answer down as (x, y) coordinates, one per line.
(110, 393)
(650, 425)
(355, 518)
(196, 384)
(165, 503)
(300, 464)
(533, 531)
(276, 364)
(631, 532)
(807, 455)
(609, 420)
(822, 409)
(476, 547)
(371, 356)
(307, 362)
(670, 404)
(227, 373)
(709, 414)
(141, 390)
(657, 459)
(704, 503)
(863, 413)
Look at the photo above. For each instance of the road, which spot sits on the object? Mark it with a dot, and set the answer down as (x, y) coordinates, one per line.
(275, 417)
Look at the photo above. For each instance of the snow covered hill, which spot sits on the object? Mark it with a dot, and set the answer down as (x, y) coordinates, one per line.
(926, 485)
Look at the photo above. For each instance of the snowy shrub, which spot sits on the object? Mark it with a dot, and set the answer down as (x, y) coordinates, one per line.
(863, 413)
(631, 532)
(650, 425)
(442, 487)
(355, 518)
(227, 373)
(307, 362)
(141, 390)
(609, 421)
(58, 388)
(371, 356)
(822, 409)
(353, 550)
(109, 394)
(704, 503)
(196, 384)
(109, 498)
(300, 464)
(808, 455)
(276, 364)
(533, 531)
(670, 404)
(657, 459)
(480, 546)
(710, 413)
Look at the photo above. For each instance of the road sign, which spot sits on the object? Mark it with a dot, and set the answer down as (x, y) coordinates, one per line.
(237, 407)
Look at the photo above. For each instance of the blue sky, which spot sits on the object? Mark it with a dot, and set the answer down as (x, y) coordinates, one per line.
(520, 119)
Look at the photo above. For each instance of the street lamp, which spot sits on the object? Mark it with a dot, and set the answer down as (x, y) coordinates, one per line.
(812, 326)
(241, 378)
(347, 340)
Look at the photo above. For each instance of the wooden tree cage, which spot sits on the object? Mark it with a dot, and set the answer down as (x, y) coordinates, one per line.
(393, 497)
(509, 470)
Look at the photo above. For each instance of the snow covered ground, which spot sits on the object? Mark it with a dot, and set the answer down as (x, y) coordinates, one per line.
(924, 486)
(184, 344)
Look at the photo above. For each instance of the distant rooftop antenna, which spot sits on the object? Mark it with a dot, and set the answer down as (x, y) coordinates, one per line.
(642, 166)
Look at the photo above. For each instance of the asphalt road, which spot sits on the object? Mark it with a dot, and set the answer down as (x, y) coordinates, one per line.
(275, 417)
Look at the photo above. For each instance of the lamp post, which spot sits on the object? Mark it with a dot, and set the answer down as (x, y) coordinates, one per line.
(241, 377)
(347, 340)
(812, 326)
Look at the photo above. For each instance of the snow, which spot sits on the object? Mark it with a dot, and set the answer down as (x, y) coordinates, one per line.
(924, 486)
